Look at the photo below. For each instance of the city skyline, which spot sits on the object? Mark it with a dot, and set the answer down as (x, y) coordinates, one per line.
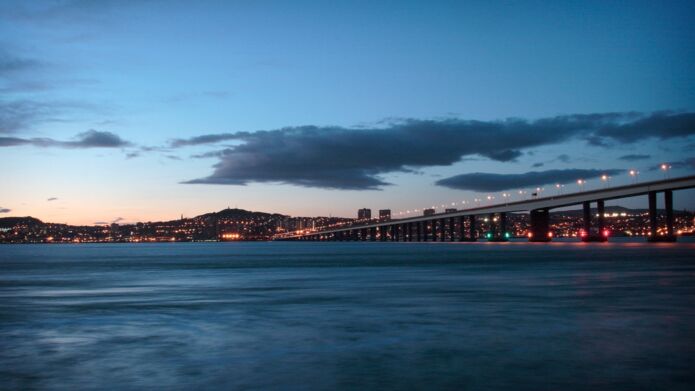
(115, 112)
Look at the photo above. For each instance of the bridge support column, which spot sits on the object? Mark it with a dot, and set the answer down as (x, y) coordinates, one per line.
(540, 226)
(503, 226)
(442, 230)
(668, 201)
(372, 234)
(601, 211)
(419, 231)
(498, 230)
(363, 234)
(452, 229)
(472, 229)
(652, 214)
(462, 228)
(587, 235)
(653, 221)
(382, 233)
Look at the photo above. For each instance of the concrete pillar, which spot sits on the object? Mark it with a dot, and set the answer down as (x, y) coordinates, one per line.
(493, 226)
(540, 225)
(363, 234)
(668, 201)
(462, 228)
(601, 210)
(587, 218)
(503, 225)
(372, 234)
(382, 233)
(472, 228)
(452, 229)
(442, 230)
(394, 233)
(652, 214)
(419, 231)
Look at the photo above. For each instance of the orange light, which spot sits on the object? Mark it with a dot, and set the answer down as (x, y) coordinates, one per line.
(550, 234)
(530, 235)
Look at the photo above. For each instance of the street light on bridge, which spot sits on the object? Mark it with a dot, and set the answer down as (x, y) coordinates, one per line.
(581, 183)
(634, 174)
(605, 179)
(665, 167)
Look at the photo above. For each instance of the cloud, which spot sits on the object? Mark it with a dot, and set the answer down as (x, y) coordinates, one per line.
(539, 164)
(688, 163)
(118, 219)
(89, 139)
(355, 158)
(52, 199)
(487, 182)
(12, 64)
(204, 139)
(634, 157)
(5, 210)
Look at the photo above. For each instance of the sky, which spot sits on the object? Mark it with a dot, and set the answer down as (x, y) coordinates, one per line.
(148, 110)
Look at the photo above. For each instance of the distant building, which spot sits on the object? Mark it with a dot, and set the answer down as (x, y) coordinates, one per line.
(450, 210)
(428, 212)
(364, 214)
(384, 214)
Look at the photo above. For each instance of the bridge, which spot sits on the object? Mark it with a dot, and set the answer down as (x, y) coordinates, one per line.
(461, 225)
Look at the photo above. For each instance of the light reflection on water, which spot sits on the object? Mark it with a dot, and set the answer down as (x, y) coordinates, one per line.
(348, 316)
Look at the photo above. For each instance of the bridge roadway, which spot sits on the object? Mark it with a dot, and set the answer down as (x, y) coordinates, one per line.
(419, 227)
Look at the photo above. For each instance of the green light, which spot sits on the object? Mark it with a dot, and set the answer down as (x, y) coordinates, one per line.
(488, 235)
(506, 235)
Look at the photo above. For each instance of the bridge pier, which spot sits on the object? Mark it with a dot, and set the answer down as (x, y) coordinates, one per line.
(540, 226)
(587, 235)
(498, 232)
(653, 218)
(472, 229)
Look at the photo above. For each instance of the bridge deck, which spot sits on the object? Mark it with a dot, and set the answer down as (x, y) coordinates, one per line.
(550, 202)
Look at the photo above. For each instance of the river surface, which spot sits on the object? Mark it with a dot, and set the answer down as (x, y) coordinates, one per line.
(350, 316)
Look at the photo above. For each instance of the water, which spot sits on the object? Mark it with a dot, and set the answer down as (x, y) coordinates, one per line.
(352, 316)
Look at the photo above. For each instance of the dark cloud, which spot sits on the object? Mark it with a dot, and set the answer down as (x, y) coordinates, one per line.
(487, 182)
(89, 139)
(688, 163)
(564, 158)
(539, 164)
(204, 139)
(348, 158)
(5, 210)
(634, 157)
(52, 199)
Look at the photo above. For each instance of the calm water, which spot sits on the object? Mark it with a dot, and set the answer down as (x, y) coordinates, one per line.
(350, 316)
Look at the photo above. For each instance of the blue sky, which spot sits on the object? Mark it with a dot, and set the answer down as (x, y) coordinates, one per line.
(93, 95)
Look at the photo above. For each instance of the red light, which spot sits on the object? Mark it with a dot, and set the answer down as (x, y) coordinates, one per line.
(530, 235)
(582, 233)
(550, 234)
(606, 232)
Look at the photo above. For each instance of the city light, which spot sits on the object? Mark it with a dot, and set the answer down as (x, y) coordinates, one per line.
(634, 174)
(581, 183)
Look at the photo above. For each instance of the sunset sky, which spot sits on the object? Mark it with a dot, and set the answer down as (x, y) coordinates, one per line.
(137, 111)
